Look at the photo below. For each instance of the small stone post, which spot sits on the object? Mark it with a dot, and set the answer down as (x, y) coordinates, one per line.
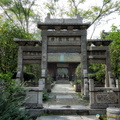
(113, 113)
(91, 89)
(111, 80)
(40, 95)
(118, 86)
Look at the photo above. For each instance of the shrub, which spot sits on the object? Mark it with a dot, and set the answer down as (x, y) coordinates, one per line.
(45, 95)
(11, 99)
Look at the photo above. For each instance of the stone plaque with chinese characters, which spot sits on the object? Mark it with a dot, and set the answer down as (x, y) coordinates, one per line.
(64, 41)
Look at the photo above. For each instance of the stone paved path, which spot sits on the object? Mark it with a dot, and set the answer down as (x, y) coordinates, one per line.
(64, 95)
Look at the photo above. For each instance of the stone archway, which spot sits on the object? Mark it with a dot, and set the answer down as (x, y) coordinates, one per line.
(65, 38)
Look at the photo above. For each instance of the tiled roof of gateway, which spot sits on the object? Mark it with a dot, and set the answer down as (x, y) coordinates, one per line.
(68, 21)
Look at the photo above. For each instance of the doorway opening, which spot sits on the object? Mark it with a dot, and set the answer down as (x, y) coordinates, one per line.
(62, 74)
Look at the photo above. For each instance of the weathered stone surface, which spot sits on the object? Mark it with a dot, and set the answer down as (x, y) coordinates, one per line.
(113, 113)
(64, 97)
(64, 57)
(106, 97)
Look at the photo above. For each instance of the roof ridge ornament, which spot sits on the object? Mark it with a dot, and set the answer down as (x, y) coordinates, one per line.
(79, 17)
(48, 16)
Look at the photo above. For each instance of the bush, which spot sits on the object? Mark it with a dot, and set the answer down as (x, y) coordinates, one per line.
(78, 73)
(45, 95)
(11, 99)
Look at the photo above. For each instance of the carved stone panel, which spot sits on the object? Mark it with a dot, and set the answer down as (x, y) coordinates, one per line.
(64, 41)
(106, 97)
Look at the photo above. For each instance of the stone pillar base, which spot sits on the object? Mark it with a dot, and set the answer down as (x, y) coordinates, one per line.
(86, 97)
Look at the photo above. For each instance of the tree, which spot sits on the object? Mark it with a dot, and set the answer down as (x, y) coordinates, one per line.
(8, 48)
(97, 71)
(115, 50)
(19, 11)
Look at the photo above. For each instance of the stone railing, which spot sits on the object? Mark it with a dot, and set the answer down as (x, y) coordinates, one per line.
(103, 97)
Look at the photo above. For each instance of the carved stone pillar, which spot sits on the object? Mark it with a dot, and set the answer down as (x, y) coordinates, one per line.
(19, 76)
(44, 57)
(84, 62)
(108, 68)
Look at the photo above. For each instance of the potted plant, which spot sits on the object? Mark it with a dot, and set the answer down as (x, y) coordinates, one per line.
(49, 82)
(78, 78)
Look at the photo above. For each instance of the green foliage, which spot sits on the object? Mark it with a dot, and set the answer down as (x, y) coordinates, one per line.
(11, 99)
(78, 72)
(8, 48)
(49, 78)
(97, 71)
(115, 50)
(45, 95)
(35, 69)
(18, 10)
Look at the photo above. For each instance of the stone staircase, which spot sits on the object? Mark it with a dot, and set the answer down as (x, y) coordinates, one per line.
(62, 81)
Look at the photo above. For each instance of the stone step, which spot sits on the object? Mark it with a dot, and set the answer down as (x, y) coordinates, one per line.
(62, 82)
(65, 111)
(68, 117)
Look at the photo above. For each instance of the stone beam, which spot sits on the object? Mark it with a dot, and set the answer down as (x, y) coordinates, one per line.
(31, 61)
(64, 49)
(97, 48)
(31, 48)
(64, 43)
(96, 61)
(97, 57)
(31, 57)
(64, 33)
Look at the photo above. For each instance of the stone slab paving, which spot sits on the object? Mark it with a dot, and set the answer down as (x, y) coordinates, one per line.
(67, 106)
(73, 117)
(65, 95)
